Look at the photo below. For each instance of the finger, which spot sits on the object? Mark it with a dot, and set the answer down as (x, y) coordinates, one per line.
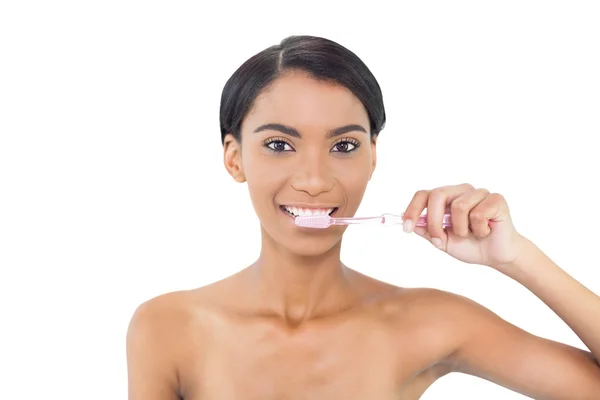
(502, 212)
(422, 231)
(480, 216)
(461, 207)
(437, 206)
(415, 209)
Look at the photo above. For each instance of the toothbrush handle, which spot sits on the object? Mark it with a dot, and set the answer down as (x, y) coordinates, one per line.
(390, 219)
(357, 220)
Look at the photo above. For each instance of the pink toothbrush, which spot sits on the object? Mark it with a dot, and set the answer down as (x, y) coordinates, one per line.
(325, 221)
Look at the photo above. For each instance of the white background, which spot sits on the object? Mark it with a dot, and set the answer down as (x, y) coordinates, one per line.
(113, 191)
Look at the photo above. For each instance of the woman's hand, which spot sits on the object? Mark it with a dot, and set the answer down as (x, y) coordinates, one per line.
(482, 231)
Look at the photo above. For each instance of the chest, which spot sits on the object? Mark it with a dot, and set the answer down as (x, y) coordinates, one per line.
(349, 362)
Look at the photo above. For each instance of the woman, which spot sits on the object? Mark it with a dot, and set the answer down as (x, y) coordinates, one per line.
(299, 124)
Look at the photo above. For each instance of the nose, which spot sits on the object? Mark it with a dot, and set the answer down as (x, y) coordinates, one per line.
(313, 176)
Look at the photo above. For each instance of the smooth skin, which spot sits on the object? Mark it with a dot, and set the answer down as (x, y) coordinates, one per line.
(299, 324)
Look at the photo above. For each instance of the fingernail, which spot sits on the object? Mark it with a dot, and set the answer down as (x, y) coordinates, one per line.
(408, 226)
(437, 242)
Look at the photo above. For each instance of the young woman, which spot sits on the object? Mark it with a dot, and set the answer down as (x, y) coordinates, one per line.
(299, 125)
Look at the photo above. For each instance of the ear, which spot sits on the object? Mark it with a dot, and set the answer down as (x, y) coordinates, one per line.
(232, 158)
(373, 155)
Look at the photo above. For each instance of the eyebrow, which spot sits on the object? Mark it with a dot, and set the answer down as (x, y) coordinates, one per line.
(287, 130)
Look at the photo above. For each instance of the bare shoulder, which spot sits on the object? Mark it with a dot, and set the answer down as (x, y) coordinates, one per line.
(152, 347)
(426, 304)
(470, 338)
(158, 324)
(162, 333)
(160, 313)
(446, 319)
(435, 322)
(168, 316)
(435, 305)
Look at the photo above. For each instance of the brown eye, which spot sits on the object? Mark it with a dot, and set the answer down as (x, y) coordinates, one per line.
(344, 146)
(278, 146)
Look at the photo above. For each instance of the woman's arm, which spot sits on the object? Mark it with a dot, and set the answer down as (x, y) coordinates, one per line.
(495, 350)
(575, 304)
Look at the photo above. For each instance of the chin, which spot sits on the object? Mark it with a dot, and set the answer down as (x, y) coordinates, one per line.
(310, 246)
(304, 242)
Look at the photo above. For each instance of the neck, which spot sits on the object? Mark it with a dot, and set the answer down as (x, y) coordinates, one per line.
(297, 288)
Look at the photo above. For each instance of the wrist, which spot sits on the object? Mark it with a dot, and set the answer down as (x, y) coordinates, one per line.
(525, 251)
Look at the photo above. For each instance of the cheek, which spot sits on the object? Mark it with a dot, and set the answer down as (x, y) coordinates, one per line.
(354, 177)
(356, 189)
(262, 179)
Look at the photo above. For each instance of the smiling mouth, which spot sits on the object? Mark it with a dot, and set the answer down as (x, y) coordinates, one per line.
(305, 211)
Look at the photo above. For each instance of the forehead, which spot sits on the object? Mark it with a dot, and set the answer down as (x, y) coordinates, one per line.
(298, 100)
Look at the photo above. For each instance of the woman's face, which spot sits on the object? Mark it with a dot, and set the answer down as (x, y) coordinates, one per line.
(305, 149)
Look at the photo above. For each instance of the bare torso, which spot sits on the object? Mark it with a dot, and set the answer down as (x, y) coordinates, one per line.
(384, 346)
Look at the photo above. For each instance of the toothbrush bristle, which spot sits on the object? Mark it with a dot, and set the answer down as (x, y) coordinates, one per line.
(314, 221)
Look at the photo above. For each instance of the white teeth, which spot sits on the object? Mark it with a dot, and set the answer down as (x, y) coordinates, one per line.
(303, 212)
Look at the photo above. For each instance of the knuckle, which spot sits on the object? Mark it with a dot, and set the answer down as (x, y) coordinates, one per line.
(460, 206)
(421, 193)
(437, 192)
(478, 216)
(497, 196)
